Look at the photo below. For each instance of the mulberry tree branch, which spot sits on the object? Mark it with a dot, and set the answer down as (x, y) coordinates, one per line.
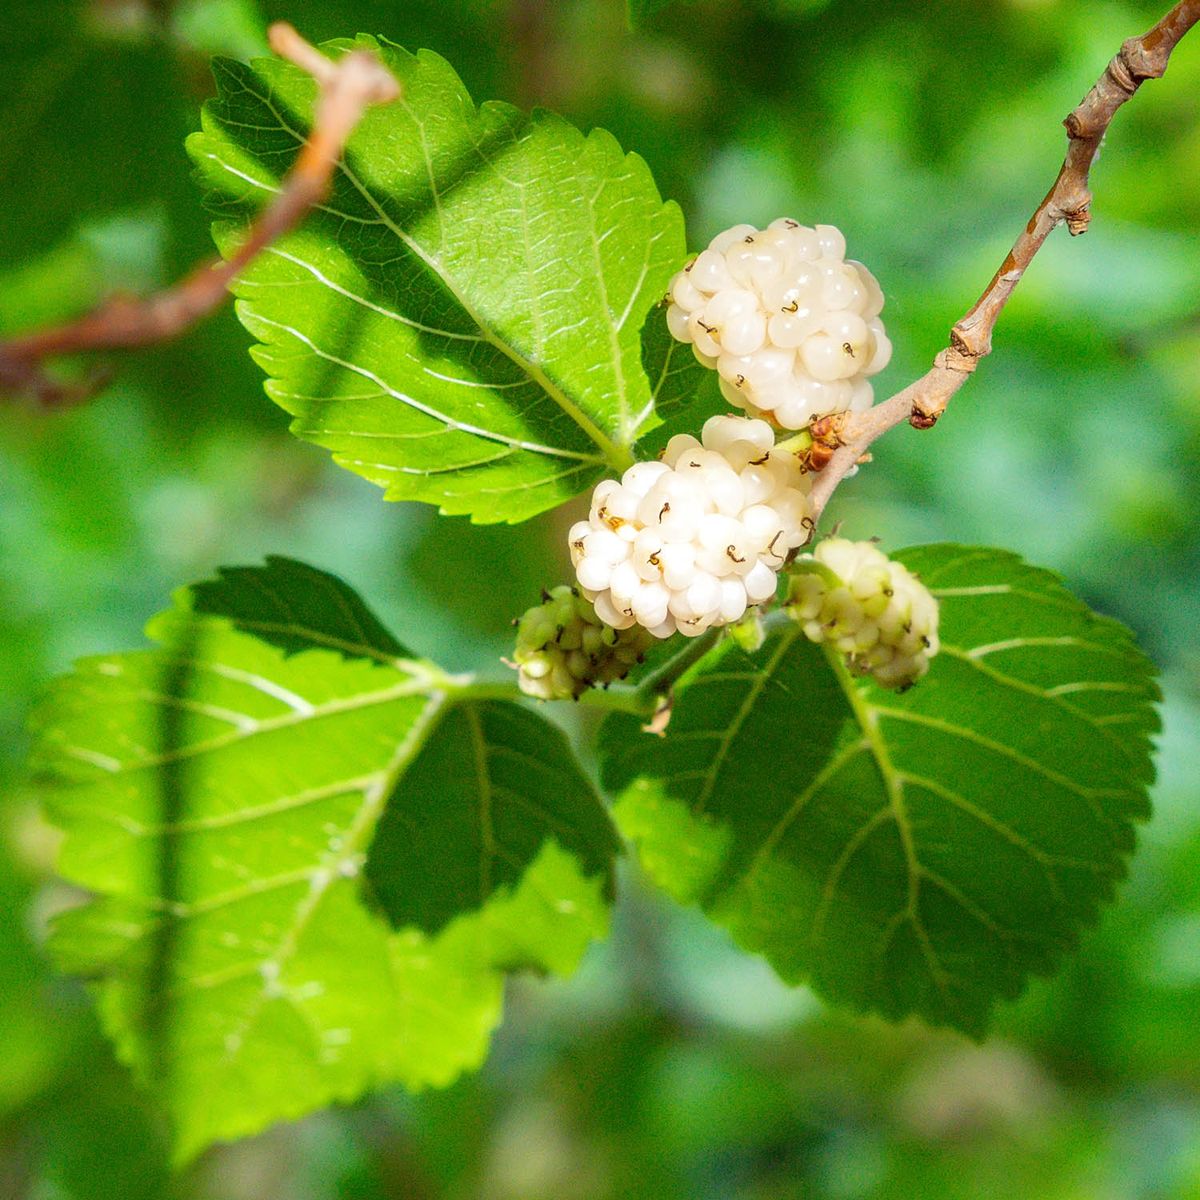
(348, 87)
(1068, 202)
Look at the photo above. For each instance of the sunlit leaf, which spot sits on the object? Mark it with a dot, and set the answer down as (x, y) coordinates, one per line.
(461, 321)
(918, 853)
(220, 794)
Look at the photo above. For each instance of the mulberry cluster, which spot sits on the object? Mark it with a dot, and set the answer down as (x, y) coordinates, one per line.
(791, 326)
(877, 612)
(692, 540)
(563, 648)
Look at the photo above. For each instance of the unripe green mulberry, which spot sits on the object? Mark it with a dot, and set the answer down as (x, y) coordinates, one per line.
(875, 611)
(563, 648)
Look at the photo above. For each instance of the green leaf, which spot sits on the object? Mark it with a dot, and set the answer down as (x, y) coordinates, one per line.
(919, 853)
(517, 789)
(460, 322)
(220, 794)
(296, 607)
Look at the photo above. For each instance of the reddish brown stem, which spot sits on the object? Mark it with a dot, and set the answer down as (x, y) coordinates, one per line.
(1068, 202)
(348, 86)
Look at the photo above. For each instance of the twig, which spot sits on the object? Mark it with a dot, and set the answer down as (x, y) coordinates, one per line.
(1068, 201)
(531, 38)
(348, 87)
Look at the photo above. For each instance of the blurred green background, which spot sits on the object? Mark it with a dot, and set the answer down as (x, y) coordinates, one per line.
(672, 1066)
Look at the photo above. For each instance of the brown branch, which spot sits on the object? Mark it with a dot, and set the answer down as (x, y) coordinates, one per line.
(348, 86)
(1068, 202)
(533, 61)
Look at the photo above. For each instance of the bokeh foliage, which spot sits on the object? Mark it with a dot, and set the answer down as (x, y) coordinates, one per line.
(673, 1066)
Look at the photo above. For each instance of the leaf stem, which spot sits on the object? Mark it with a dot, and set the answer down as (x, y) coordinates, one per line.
(659, 682)
(621, 699)
(797, 444)
(641, 701)
(466, 688)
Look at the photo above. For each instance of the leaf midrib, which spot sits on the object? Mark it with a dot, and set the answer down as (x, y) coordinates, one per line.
(618, 455)
(893, 784)
(727, 738)
(352, 844)
(286, 720)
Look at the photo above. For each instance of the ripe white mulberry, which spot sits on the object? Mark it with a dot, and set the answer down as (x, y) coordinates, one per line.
(691, 541)
(877, 613)
(792, 327)
(563, 648)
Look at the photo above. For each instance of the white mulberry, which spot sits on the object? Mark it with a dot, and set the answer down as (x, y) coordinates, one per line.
(691, 541)
(563, 648)
(792, 327)
(877, 613)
